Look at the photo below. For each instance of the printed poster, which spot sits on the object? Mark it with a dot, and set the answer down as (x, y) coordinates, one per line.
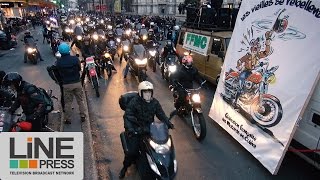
(269, 70)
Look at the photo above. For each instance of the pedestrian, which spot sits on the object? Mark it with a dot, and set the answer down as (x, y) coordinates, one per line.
(69, 68)
(180, 8)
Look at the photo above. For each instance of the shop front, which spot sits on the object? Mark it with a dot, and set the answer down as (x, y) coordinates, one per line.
(12, 9)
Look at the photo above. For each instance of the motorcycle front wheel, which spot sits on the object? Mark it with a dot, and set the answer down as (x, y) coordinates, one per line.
(142, 76)
(269, 113)
(198, 125)
(96, 86)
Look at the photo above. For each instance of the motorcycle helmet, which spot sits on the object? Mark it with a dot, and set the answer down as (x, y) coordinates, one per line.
(64, 49)
(12, 79)
(136, 39)
(143, 26)
(110, 34)
(176, 28)
(187, 61)
(145, 90)
(150, 32)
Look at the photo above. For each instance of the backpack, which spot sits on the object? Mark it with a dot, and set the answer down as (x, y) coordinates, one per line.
(125, 99)
(47, 99)
(54, 74)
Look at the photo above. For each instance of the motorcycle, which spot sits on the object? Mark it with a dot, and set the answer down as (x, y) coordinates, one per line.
(153, 57)
(32, 52)
(10, 124)
(55, 41)
(107, 63)
(192, 109)
(138, 62)
(125, 49)
(93, 77)
(113, 48)
(254, 101)
(169, 67)
(67, 34)
(156, 151)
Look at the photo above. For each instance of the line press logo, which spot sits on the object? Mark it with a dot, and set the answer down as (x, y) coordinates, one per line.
(43, 155)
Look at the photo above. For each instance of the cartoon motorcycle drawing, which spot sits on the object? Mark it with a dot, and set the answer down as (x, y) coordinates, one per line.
(254, 102)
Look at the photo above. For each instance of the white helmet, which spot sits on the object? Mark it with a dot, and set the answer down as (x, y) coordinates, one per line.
(151, 23)
(146, 86)
(176, 28)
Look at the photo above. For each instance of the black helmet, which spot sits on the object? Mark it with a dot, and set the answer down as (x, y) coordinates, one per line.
(12, 78)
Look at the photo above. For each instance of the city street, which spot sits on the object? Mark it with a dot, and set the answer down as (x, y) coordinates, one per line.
(219, 156)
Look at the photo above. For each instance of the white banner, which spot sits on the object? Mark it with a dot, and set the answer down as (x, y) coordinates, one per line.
(196, 42)
(38, 155)
(269, 70)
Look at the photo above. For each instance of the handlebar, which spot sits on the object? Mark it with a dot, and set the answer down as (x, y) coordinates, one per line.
(196, 89)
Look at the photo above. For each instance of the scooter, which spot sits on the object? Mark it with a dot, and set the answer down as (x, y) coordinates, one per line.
(156, 151)
(91, 69)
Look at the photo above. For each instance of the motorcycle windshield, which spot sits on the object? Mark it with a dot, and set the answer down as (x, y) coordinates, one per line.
(159, 132)
(5, 121)
(119, 32)
(139, 51)
(171, 58)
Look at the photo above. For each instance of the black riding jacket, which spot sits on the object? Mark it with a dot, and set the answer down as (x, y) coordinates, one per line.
(186, 76)
(139, 110)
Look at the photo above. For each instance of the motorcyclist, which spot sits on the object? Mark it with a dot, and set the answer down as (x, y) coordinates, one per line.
(29, 40)
(29, 98)
(175, 35)
(88, 50)
(167, 50)
(6, 96)
(185, 75)
(136, 41)
(141, 109)
(151, 35)
(110, 36)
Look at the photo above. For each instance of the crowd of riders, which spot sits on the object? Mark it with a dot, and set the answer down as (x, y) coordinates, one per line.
(101, 38)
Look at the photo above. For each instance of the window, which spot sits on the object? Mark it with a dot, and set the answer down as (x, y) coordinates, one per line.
(217, 46)
(181, 38)
(316, 119)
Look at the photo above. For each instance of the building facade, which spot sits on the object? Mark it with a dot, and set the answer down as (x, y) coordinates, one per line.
(167, 7)
(158, 7)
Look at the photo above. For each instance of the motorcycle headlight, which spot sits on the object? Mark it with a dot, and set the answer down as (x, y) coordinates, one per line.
(153, 165)
(128, 32)
(109, 27)
(152, 53)
(72, 21)
(79, 37)
(31, 50)
(141, 62)
(67, 30)
(172, 68)
(71, 30)
(48, 22)
(87, 19)
(95, 37)
(102, 21)
(144, 37)
(125, 48)
(107, 55)
(118, 40)
(161, 148)
(196, 98)
(272, 79)
(78, 19)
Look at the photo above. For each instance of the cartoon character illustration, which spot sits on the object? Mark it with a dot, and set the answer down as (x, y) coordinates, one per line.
(246, 90)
